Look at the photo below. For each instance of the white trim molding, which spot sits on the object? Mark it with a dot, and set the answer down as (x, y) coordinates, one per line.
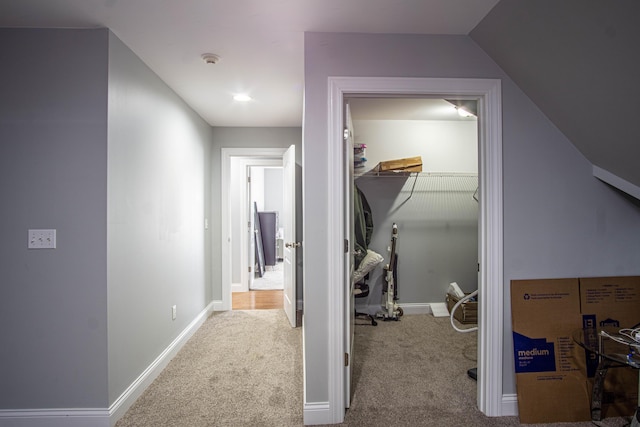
(410, 308)
(135, 390)
(490, 251)
(316, 413)
(488, 94)
(509, 405)
(105, 417)
(98, 417)
(617, 182)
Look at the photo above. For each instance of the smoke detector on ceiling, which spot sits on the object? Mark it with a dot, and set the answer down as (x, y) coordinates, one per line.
(210, 58)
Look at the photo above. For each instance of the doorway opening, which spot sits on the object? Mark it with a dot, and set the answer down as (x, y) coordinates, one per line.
(240, 207)
(239, 211)
(487, 94)
(257, 234)
(266, 243)
(430, 202)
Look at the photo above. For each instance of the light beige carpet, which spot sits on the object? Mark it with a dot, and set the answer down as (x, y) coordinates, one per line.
(241, 368)
(414, 373)
(244, 368)
(273, 278)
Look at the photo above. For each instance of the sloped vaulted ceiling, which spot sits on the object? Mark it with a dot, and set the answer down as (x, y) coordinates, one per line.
(579, 61)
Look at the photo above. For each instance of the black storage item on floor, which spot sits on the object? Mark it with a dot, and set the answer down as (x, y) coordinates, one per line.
(268, 224)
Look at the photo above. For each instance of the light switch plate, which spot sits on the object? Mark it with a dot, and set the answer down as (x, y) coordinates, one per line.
(42, 239)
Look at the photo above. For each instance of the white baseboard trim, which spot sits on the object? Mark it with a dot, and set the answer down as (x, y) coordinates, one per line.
(54, 418)
(314, 414)
(416, 308)
(509, 405)
(135, 390)
(217, 305)
(407, 308)
(104, 417)
(237, 287)
(317, 413)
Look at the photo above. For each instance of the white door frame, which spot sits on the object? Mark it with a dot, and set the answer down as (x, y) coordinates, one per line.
(490, 314)
(225, 231)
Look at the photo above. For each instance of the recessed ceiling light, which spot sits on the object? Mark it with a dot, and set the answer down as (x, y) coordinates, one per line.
(242, 97)
(463, 112)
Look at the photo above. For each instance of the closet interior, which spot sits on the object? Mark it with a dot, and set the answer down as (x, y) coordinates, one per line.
(435, 208)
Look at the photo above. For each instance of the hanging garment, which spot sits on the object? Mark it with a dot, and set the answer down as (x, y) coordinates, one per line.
(363, 225)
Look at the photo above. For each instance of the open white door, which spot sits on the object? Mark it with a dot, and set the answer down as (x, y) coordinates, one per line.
(251, 232)
(289, 232)
(349, 236)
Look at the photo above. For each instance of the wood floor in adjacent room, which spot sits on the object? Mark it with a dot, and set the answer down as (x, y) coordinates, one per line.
(257, 300)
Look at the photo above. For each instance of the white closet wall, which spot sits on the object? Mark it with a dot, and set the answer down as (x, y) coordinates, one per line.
(273, 189)
(445, 146)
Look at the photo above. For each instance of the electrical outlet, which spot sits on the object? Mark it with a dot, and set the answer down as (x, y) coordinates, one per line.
(174, 310)
(42, 239)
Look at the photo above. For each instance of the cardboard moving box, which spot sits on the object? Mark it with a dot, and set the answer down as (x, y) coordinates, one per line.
(554, 375)
(467, 312)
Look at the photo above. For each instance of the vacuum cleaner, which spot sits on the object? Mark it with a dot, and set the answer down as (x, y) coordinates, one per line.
(391, 309)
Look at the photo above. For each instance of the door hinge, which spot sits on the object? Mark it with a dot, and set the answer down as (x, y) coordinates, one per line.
(346, 359)
(249, 179)
(345, 134)
(249, 269)
(346, 246)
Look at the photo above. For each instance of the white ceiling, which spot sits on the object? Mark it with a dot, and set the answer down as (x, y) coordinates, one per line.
(405, 109)
(260, 42)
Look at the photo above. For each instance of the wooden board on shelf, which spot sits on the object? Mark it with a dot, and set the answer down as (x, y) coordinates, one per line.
(409, 164)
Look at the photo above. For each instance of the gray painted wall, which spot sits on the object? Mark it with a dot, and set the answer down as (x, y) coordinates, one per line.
(559, 221)
(53, 174)
(97, 147)
(232, 137)
(159, 194)
(578, 61)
